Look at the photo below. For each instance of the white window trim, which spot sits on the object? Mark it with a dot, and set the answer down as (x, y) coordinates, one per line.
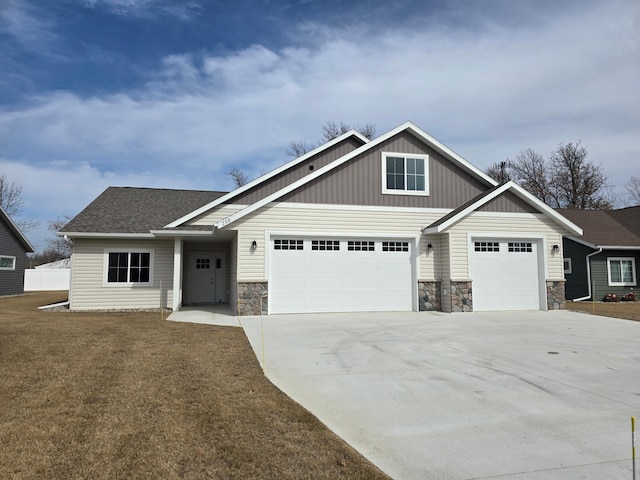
(567, 267)
(633, 271)
(13, 259)
(389, 191)
(105, 267)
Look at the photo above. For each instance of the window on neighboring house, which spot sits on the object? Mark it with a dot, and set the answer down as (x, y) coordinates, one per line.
(405, 174)
(125, 267)
(622, 271)
(567, 265)
(7, 262)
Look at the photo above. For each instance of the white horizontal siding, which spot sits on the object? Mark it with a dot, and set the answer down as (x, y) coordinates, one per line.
(251, 264)
(511, 224)
(87, 280)
(215, 215)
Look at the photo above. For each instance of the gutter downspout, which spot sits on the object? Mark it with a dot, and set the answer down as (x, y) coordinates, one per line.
(588, 275)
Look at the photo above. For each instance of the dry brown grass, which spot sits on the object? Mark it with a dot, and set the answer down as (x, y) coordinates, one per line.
(127, 395)
(625, 310)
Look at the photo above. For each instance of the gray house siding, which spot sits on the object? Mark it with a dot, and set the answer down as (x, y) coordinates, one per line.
(576, 285)
(11, 281)
(293, 174)
(508, 202)
(359, 181)
(599, 273)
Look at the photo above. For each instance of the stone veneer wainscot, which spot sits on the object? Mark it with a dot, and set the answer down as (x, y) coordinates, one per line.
(252, 298)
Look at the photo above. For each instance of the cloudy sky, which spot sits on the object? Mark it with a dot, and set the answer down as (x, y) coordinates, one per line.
(175, 93)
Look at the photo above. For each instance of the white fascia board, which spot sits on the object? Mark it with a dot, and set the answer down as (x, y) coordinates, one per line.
(463, 213)
(181, 233)
(529, 198)
(410, 126)
(105, 235)
(520, 192)
(267, 176)
(26, 243)
(604, 247)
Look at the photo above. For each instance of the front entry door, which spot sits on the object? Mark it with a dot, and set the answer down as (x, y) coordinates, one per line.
(206, 278)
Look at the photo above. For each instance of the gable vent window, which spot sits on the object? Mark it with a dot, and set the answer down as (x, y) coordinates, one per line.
(360, 246)
(405, 174)
(129, 267)
(523, 247)
(486, 246)
(395, 246)
(287, 245)
(325, 245)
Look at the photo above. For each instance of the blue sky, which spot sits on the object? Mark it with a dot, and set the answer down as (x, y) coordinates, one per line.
(173, 94)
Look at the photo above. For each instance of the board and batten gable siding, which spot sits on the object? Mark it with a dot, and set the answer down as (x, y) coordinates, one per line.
(332, 221)
(87, 280)
(505, 224)
(359, 180)
(577, 285)
(11, 281)
(508, 202)
(295, 173)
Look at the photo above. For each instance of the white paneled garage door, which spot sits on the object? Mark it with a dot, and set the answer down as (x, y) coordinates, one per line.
(506, 274)
(319, 274)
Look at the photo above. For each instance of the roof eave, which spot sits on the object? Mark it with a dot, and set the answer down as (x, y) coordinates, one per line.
(104, 235)
(17, 232)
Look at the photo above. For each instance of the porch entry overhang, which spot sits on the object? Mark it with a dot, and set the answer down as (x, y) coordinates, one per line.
(200, 267)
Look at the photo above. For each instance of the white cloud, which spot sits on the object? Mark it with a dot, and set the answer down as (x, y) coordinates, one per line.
(487, 93)
(20, 20)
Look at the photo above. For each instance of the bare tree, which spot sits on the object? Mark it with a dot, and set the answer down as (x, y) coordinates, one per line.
(60, 245)
(10, 196)
(11, 202)
(330, 131)
(500, 171)
(574, 182)
(238, 177)
(567, 180)
(633, 191)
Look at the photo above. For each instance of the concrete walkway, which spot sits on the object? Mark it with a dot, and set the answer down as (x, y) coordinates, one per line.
(206, 314)
(524, 396)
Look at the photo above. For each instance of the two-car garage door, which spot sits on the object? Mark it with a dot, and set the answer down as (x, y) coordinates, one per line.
(505, 274)
(316, 274)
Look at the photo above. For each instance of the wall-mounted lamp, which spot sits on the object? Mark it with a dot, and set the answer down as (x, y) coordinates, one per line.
(429, 248)
(555, 248)
(254, 246)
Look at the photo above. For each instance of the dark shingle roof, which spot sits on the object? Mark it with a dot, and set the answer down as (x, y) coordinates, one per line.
(603, 227)
(137, 210)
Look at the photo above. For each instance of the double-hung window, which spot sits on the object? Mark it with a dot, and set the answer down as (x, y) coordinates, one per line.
(129, 267)
(7, 262)
(622, 271)
(405, 174)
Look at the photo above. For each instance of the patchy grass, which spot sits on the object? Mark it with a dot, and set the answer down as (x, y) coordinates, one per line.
(128, 395)
(625, 310)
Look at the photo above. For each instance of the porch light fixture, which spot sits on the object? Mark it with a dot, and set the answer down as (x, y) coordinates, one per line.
(429, 248)
(254, 246)
(555, 248)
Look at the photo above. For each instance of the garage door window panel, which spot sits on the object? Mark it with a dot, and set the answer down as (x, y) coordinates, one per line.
(360, 246)
(395, 246)
(287, 244)
(520, 247)
(622, 271)
(324, 245)
(486, 246)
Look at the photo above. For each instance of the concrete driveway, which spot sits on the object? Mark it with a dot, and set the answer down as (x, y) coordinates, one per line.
(517, 395)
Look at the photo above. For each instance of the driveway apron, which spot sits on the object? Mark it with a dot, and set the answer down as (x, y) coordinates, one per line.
(518, 395)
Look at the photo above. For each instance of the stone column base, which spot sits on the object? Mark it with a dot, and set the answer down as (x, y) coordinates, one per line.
(429, 296)
(461, 297)
(555, 295)
(252, 298)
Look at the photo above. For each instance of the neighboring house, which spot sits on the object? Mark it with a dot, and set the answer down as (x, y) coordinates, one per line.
(14, 247)
(605, 259)
(397, 223)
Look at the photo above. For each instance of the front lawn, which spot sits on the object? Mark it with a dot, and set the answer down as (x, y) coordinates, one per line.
(132, 396)
(626, 310)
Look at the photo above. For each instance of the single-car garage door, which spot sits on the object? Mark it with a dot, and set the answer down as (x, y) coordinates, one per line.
(505, 274)
(318, 274)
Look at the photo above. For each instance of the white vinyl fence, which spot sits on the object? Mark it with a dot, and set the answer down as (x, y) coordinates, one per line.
(47, 279)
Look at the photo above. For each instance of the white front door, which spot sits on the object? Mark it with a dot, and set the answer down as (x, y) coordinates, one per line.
(206, 278)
